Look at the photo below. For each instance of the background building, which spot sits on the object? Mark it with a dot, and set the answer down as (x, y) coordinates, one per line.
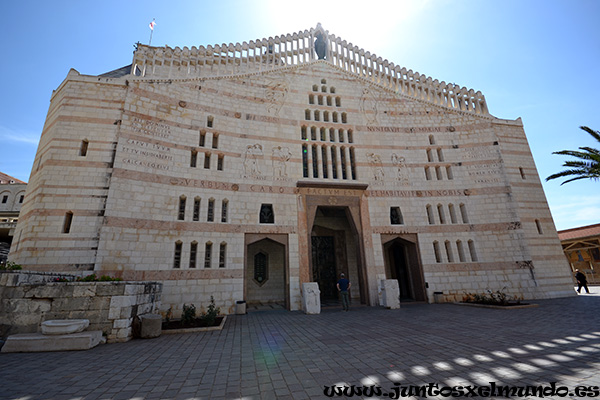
(12, 195)
(242, 171)
(582, 249)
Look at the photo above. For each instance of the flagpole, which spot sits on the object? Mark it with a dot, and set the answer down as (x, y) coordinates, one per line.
(151, 31)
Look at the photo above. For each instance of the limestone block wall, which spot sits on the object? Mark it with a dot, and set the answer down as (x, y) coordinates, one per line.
(29, 298)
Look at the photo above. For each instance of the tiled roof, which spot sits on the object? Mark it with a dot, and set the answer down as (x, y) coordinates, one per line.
(7, 179)
(581, 232)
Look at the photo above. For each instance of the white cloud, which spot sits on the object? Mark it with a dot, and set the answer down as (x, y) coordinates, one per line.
(10, 135)
(573, 211)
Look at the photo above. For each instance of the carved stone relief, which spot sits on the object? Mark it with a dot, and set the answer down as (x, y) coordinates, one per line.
(276, 94)
(253, 153)
(368, 107)
(401, 169)
(281, 156)
(376, 166)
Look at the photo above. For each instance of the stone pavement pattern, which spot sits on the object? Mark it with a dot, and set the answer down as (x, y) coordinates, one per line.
(288, 355)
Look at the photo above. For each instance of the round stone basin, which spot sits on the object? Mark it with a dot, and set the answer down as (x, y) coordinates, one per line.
(64, 326)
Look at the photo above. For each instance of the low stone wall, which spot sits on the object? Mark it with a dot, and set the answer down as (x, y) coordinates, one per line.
(29, 298)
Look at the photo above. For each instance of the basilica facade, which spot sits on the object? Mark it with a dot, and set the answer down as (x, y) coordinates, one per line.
(242, 171)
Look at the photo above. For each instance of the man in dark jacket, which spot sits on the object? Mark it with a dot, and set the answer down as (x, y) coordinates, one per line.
(343, 285)
(581, 281)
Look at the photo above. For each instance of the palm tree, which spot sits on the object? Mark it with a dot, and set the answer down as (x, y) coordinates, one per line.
(588, 165)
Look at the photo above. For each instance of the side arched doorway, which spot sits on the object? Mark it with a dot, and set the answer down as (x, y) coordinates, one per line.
(266, 275)
(402, 262)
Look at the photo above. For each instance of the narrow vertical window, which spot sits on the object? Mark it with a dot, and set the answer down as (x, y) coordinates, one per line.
(210, 214)
(220, 158)
(538, 225)
(315, 162)
(84, 148)
(341, 135)
(334, 117)
(206, 160)
(303, 132)
(461, 251)
(430, 217)
(343, 162)
(429, 156)
(472, 250)
(67, 222)
(452, 212)
(436, 251)
(463, 213)
(338, 101)
(449, 253)
(324, 89)
(396, 216)
(207, 254)
(4, 199)
(431, 139)
(215, 141)
(352, 163)
(209, 121)
(323, 134)
(332, 135)
(440, 155)
(266, 216)
(344, 118)
(307, 115)
(329, 100)
(202, 138)
(332, 90)
(438, 173)
(350, 136)
(449, 172)
(320, 100)
(315, 88)
(324, 161)
(224, 205)
(21, 199)
(326, 116)
(522, 173)
(441, 214)
(427, 173)
(304, 161)
(181, 213)
(177, 255)
(311, 99)
(313, 133)
(317, 115)
(222, 254)
(196, 215)
(334, 170)
(193, 159)
(193, 254)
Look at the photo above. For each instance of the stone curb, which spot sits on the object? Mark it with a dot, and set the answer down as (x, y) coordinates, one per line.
(192, 330)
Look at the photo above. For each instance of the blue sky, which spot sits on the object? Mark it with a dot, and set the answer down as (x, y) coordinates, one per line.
(534, 59)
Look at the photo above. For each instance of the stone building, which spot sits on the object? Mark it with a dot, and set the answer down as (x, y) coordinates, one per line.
(242, 171)
(12, 195)
(582, 248)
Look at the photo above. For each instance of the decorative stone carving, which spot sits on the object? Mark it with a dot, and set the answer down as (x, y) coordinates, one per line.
(368, 107)
(401, 169)
(390, 294)
(281, 156)
(276, 94)
(311, 298)
(251, 156)
(376, 166)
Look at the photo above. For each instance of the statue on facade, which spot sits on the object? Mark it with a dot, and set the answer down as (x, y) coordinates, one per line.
(321, 46)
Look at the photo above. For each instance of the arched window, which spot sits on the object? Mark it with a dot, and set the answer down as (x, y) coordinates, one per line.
(177, 254)
(207, 255)
(222, 254)
(441, 214)
(436, 252)
(311, 99)
(181, 211)
(193, 254)
(224, 210)
(461, 251)
(196, 214)
(209, 121)
(430, 217)
(472, 251)
(538, 225)
(463, 214)
(431, 139)
(210, 214)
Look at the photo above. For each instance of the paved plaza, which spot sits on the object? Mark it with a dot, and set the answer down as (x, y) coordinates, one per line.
(279, 354)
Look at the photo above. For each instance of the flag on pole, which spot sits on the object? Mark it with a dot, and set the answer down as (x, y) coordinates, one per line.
(152, 24)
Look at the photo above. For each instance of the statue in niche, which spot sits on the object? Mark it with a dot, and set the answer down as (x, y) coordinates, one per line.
(321, 46)
(281, 156)
(368, 107)
(376, 166)
(402, 171)
(275, 95)
(253, 152)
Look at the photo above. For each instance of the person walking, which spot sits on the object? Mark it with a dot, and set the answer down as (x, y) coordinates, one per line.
(343, 285)
(581, 281)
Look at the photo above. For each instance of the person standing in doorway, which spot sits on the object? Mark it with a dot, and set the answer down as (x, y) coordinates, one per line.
(343, 286)
(581, 281)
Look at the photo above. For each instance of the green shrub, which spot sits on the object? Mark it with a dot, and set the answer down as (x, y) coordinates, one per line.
(10, 266)
(211, 313)
(189, 314)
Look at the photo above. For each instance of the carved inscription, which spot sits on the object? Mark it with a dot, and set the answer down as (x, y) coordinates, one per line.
(199, 183)
(151, 128)
(144, 154)
(479, 153)
(417, 193)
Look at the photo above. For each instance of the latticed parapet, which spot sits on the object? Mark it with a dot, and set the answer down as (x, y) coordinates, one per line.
(314, 45)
